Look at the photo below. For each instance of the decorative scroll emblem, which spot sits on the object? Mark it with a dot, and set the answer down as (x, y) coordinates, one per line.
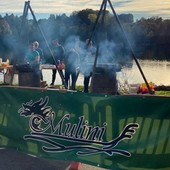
(65, 136)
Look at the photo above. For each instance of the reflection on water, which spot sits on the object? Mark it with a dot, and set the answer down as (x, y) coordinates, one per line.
(154, 71)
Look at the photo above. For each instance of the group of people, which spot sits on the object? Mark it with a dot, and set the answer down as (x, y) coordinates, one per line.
(73, 59)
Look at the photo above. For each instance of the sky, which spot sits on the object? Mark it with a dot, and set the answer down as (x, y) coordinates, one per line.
(43, 8)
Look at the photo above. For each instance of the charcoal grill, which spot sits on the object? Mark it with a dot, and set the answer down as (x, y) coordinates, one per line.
(104, 79)
(28, 75)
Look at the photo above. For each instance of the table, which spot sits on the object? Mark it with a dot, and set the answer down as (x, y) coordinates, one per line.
(9, 71)
(47, 66)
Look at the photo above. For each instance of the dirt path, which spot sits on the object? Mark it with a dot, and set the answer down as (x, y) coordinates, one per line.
(13, 160)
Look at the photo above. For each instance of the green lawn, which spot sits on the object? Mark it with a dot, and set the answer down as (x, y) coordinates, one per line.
(80, 88)
(164, 93)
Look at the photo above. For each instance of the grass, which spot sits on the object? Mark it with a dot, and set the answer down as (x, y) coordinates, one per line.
(80, 88)
(162, 93)
(159, 93)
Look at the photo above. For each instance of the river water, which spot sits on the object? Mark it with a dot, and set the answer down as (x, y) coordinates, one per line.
(154, 71)
(157, 72)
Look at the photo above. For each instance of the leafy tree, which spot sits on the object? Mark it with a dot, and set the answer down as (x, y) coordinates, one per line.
(5, 33)
(150, 38)
(4, 28)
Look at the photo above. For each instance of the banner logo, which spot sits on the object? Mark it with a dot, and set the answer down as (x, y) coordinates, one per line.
(67, 136)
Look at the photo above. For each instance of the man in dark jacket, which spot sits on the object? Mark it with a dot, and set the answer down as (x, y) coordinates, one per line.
(72, 62)
(58, 53)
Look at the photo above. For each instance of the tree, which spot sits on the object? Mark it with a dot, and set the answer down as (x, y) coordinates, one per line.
(4, 27)
(5, 32)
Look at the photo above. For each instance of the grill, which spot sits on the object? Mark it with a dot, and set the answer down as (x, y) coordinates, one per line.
(104, 79)
(24, 68)
(28, 75)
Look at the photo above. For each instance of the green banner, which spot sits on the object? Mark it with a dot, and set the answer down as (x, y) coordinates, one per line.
(114, 132)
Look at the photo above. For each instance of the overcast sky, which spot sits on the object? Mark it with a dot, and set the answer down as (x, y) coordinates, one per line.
(139, 8)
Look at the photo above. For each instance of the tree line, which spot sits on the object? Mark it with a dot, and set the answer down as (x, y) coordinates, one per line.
(149, 38)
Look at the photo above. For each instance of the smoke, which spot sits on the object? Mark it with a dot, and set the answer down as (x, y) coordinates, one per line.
(74, 49)
(14, 49)
(107, 52)
(111, 55)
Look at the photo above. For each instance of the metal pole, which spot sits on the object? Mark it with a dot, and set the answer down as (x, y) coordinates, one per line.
(25, 12)
(98, 45)
(117, 19)
(59, 71)
(96, 22)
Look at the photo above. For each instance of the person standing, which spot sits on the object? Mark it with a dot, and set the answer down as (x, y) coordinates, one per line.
(58, 53)
(32, 56)
(72, 62)
(40, 51)
(33, 59)
(87, 63)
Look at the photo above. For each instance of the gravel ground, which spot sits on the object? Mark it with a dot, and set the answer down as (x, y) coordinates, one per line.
(13, 160)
